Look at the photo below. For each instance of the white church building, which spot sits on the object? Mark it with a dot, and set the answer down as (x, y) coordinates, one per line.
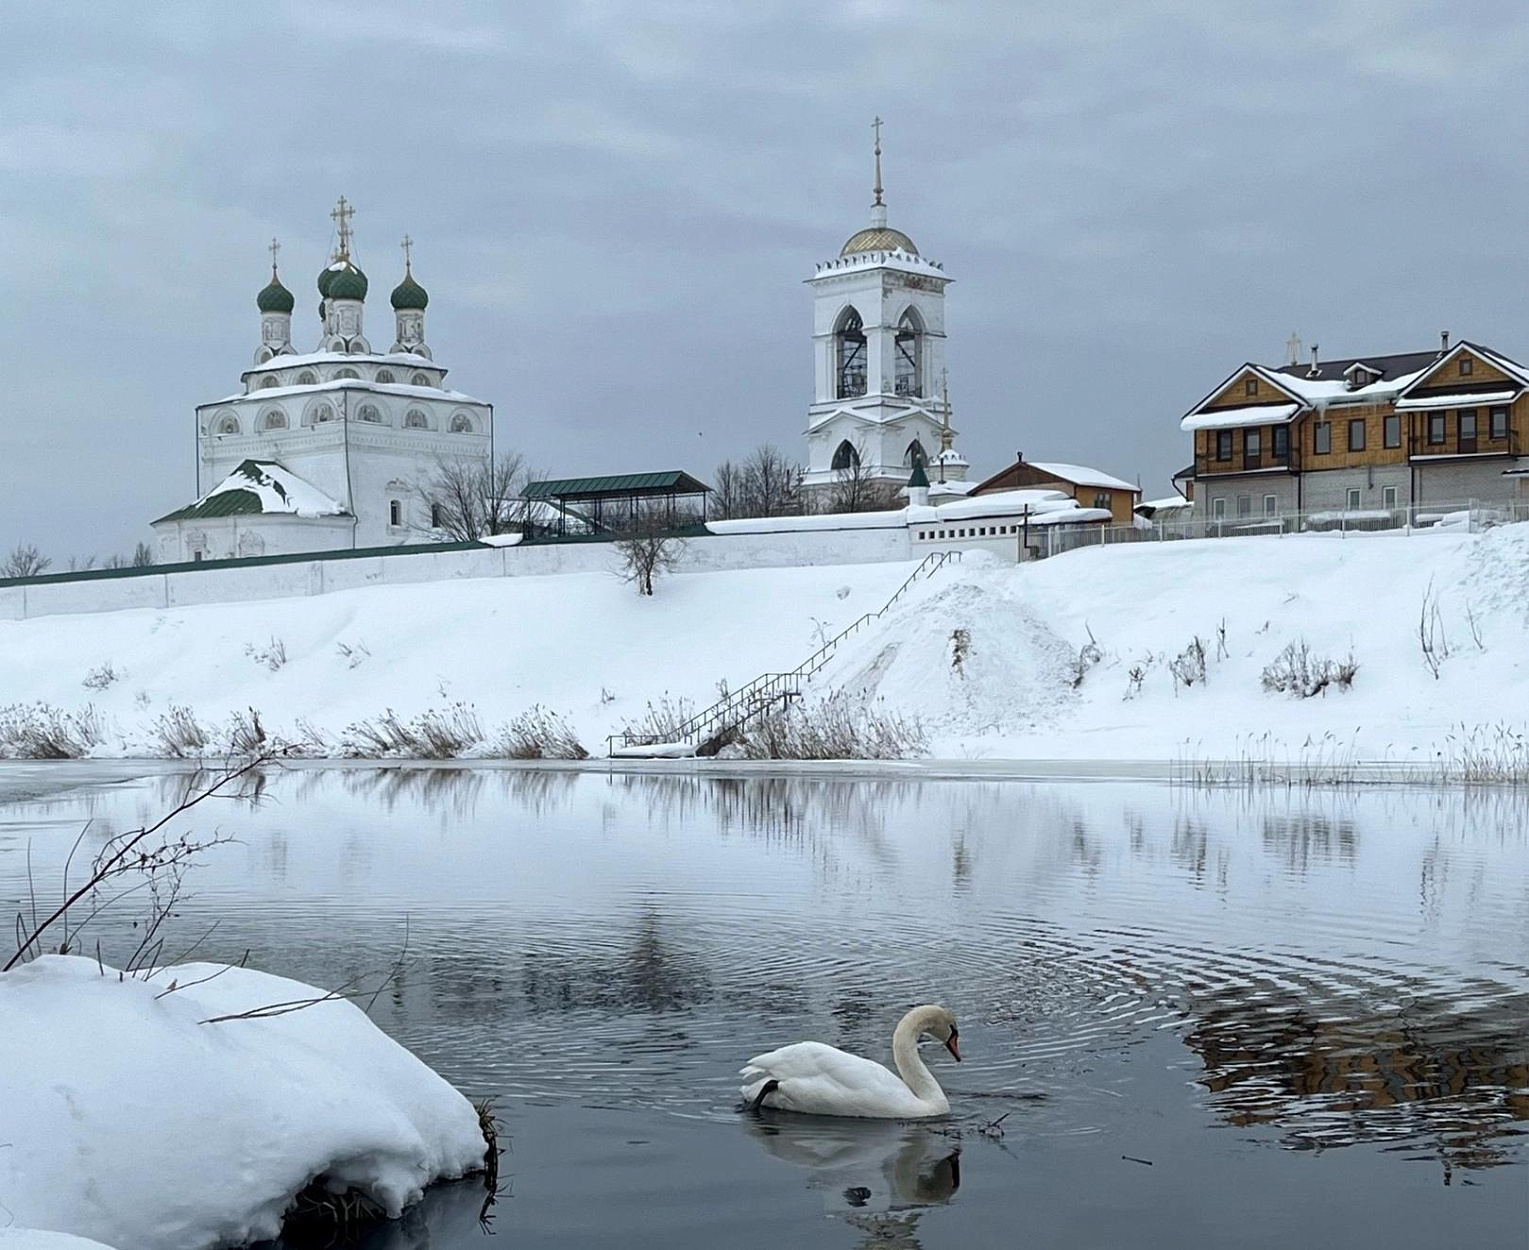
(879, 397)
(332, 448)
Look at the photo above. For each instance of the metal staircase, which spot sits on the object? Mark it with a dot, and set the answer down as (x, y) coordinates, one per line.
(709, 730)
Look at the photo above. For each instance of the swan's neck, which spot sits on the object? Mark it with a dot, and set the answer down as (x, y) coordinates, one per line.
(910, 1064)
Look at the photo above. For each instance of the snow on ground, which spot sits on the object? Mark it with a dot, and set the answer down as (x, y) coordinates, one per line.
(31, 1239)
(587, 647)
(129, 1120)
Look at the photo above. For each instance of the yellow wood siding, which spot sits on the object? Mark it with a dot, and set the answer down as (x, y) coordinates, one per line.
(1449, 378)
(1339, 456)
(1236, 393)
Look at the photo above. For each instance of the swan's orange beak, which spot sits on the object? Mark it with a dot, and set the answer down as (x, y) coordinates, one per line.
(951, 1045)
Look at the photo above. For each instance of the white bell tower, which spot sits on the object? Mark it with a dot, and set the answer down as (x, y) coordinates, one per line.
(879, 355)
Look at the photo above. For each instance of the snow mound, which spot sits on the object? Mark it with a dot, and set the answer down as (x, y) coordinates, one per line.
(133, 1122)
(967, 658)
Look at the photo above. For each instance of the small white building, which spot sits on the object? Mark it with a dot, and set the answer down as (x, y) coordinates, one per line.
(365, 430)
(879, 357)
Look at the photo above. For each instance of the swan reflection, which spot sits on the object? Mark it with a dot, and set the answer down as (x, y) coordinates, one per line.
(878, 1176)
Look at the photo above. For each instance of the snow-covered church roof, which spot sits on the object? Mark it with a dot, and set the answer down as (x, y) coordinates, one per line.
(260, 487)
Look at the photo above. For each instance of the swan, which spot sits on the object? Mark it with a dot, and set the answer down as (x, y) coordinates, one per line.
(817, 1079)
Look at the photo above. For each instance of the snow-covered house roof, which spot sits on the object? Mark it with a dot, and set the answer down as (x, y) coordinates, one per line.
(260, 487)
(1082, 475)
(1253, 414)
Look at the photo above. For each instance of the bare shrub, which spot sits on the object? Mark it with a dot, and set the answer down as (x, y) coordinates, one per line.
(435, 734)
(663, 721)
(646, 549)
(40, 731)
(353, 656)
(102, 676)
(1137, 675)
(1298, 672)
(273, 655)
(838, 727)
(178, 734)
(244, 735)
(1088, 655)
(1188, 667)
(537, 734)
(310, 740)
(960, 649)
(1431, 636)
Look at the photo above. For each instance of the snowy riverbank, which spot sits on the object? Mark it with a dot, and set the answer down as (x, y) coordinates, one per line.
(996, 661)
(133, 1117)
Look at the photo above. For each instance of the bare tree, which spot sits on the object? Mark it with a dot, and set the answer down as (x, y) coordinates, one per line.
(24, 561)
(143, 556)
(469, 499)
(764, 484)
(856, 489)
(646, 548)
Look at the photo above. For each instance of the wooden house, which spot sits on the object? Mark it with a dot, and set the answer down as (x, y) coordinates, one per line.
(1090, 487)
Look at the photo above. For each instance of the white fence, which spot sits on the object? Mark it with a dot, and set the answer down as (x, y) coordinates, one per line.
(1466, 516)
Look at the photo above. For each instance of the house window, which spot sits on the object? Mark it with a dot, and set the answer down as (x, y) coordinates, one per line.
(1436, 429)
(1271, 505)
(1392, 435)
(1102, 500)
(1279, 440)
(849, 340)
(1467, 366)
(395, 513)
(1467, 428)
(1356, 434)
(1244, 506)
(1250, 387)
(1388, 496)
(1352, 501)
(1218, 509)
(1499, 422)
(1251, 443)
(384, 375)
(1322, 437)
(1223, 444)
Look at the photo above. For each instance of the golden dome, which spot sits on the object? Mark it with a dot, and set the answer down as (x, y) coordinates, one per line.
(878, 239)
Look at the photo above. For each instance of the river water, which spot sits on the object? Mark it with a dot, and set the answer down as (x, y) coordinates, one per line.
(1189, 1017)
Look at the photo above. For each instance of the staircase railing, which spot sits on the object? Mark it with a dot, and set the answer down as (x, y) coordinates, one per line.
(712, 725)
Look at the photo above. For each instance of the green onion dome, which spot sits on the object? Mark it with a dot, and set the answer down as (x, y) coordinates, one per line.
(275, 298)
(342, 280)
(409, 293)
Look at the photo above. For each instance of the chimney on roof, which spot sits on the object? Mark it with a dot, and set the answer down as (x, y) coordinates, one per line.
(1443, 341)
(1019, 457)
(1316, 369)
(1293, 349)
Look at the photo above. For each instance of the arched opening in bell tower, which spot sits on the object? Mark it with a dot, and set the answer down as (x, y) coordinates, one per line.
(849, 340)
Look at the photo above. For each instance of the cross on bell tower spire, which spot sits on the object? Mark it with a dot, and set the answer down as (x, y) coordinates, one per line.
(878, 208)
(341, 215)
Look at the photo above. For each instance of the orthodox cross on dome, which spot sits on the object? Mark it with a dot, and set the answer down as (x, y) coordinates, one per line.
(408, 252)
(876, 126)
(341, 215)
(273, 249)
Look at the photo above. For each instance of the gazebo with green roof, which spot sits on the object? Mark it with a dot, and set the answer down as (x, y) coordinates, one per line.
(608, 505)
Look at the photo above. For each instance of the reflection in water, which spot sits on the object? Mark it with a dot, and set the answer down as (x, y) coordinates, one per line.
(1331, 1072)
(878, 1176)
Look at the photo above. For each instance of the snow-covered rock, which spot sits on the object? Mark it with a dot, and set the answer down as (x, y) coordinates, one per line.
(132, 1120)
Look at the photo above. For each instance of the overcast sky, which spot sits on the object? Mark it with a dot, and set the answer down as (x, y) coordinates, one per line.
(614, 206)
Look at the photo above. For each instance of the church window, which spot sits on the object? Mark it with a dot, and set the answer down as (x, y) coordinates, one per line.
(395, 513)
(915, 455)
(346, 372)
(228, 424)
(909, 347)
(435, 516)
(415, 419)
(845, 457)
(850, 342)
(384, 375)
(461, 423)
(274, 420)
(322, 413)
(268, 380)
(306, 378)
(419, 379)
(369, 413)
